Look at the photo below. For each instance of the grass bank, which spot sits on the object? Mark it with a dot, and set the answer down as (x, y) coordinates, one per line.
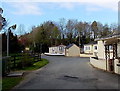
(10, 82)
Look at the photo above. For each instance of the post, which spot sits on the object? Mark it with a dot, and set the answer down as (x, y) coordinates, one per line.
(8, 42)
(40, 50)
(79, 40)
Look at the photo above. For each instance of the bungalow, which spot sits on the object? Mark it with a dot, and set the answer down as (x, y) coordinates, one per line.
(57, 49)
(91, 48)
(72, 50)
(108, 54)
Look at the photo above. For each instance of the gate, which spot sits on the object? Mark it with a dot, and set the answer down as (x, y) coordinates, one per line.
(114, 55)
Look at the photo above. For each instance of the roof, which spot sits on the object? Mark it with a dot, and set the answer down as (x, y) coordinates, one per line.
(70, 45)
(92, 43)
(109, 37)
(61, 45)
(58, 46)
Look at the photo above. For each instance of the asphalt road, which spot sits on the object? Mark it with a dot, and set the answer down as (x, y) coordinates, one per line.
(69, 73)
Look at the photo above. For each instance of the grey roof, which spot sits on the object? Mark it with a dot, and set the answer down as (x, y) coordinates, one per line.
(70, 45)
(92, 43)
(108, 37)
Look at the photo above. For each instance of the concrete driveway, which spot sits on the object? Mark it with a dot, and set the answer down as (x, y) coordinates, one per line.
(69, 73)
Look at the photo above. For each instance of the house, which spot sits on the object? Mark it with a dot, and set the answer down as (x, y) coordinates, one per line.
(57, 49)
(91, 48)
(72, 50)
(108, 54)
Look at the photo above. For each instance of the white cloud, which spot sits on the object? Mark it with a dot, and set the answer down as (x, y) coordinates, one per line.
(67, 5)
(26, 9)
(91, 9)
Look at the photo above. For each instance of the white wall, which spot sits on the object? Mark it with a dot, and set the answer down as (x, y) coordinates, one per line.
(55, 50)
(101, 49)
(88, 51)
(118, 47)
(98, 63)
(52, 50)
(117, 68)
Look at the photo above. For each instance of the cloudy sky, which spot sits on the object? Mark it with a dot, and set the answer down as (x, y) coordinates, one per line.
(35, 12)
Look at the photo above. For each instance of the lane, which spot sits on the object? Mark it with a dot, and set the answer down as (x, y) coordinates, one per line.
(69, 73)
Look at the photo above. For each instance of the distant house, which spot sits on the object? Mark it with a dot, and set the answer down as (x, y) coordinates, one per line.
(72, 50)
(57, 49)
(91, 48)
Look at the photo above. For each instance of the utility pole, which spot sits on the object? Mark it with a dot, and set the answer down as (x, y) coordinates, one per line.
(13, 27)
(8, 41)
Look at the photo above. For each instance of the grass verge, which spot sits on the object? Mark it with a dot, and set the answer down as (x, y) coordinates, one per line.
(36, 65)
(9, 82)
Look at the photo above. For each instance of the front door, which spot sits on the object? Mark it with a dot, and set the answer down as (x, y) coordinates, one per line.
(111, 65)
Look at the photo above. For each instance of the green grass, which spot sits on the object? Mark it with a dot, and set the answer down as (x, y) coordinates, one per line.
(10, 82)
(37, 65)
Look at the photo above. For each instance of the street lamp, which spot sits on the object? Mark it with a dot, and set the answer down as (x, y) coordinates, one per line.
(11, 27)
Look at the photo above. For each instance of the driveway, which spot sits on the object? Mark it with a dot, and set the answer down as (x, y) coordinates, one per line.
(69, 73)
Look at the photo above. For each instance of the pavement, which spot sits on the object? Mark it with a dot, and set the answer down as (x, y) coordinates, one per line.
(69, 73)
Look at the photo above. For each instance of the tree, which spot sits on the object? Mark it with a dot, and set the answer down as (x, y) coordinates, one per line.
(62, 27)
(21, 30)
(70, 28)
(94, 29)
(3, 21)
(114, 28)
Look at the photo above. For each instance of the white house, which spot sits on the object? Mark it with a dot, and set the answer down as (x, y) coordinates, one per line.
(91, 48)
(108, 54)
(72, 50)
(57, 49)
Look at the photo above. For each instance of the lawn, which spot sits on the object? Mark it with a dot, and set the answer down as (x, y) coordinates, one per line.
(10, 82)
(36, 65)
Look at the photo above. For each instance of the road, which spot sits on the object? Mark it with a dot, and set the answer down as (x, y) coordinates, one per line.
(69, 73)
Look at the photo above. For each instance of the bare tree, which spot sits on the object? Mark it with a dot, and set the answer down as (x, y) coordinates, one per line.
(20, 30)
(62, 26)
(3, 21)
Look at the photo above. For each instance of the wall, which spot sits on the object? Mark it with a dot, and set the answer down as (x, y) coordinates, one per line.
(118, 47)
(73, 51)
(95, 51)
(101, 49)
(101, 64)
(116, 68)
(88, 51)
(52, 50)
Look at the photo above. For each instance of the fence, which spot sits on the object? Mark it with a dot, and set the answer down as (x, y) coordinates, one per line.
(18, 61)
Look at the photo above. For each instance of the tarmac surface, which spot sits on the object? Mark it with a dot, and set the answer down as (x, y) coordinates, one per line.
(69, 73)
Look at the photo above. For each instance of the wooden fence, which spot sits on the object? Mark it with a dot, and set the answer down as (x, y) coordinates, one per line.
(12, 62)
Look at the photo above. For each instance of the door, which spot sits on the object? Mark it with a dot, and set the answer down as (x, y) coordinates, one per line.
(111, 65)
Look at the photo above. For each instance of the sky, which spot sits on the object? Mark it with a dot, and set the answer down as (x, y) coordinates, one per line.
(34, 12)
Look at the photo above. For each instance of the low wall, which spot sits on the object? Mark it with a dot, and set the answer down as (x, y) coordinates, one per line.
(101, 64)
(117, 66)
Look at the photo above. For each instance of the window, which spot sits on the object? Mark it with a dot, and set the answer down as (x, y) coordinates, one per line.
(60, 48)
(95, 47)
(87, 48)
(111, 47)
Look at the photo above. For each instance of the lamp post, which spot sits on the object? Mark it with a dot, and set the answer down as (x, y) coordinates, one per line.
(13, 27)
